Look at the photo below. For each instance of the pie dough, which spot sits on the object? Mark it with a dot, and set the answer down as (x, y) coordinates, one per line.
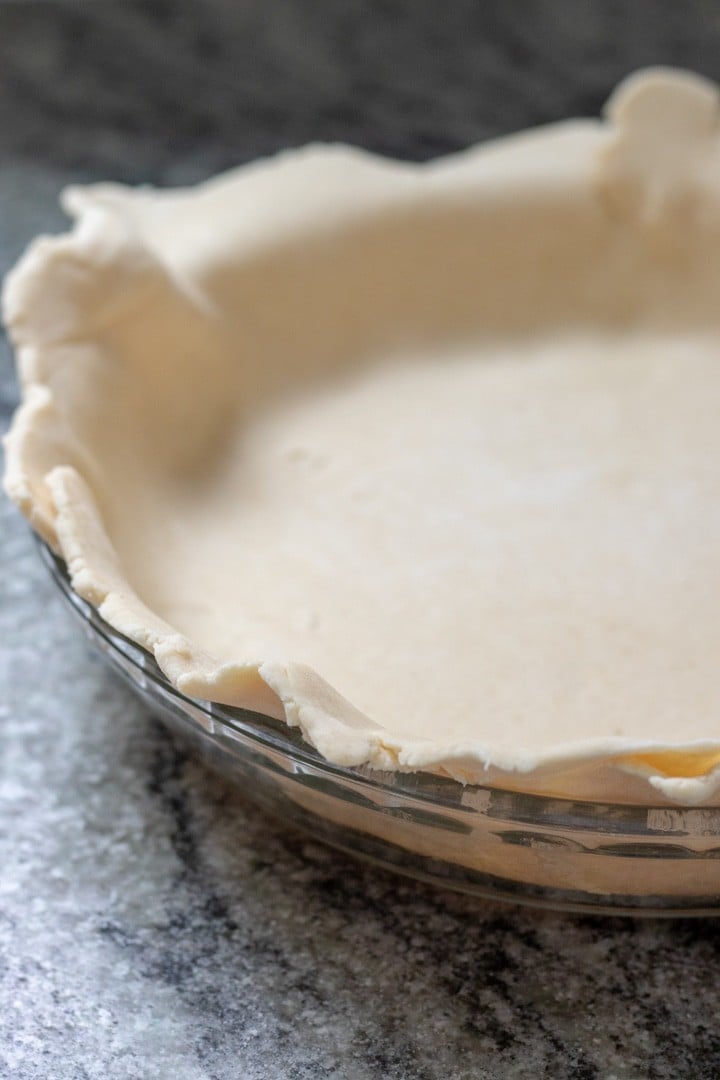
(423, 458)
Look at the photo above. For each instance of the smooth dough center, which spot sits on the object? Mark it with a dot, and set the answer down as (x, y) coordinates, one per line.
(513, 542)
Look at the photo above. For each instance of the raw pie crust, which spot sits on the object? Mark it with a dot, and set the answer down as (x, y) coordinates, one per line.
(423, 458)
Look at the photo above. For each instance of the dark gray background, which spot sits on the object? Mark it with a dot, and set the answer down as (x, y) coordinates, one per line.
(152, 923)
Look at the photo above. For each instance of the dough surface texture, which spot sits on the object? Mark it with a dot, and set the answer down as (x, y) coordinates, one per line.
(424, 459)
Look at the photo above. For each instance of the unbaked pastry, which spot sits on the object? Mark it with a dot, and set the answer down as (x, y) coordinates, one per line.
(423, 458)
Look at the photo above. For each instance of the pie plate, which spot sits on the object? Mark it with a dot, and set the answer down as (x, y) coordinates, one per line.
(394, 487)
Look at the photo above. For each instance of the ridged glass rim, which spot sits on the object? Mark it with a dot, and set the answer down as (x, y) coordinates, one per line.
(527, 807)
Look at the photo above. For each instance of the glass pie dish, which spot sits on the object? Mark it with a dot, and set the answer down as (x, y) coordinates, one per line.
(394, 488)
(505, 845)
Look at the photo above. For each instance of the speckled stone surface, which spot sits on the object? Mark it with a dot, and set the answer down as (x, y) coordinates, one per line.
(154, 924)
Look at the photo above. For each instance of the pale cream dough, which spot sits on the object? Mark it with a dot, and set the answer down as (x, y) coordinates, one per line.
(424, 459)
(518, 544)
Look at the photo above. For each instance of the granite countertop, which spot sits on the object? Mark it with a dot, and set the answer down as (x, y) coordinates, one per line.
(153, 923)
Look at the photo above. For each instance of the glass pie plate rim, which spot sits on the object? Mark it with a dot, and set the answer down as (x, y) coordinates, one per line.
(557, 834)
